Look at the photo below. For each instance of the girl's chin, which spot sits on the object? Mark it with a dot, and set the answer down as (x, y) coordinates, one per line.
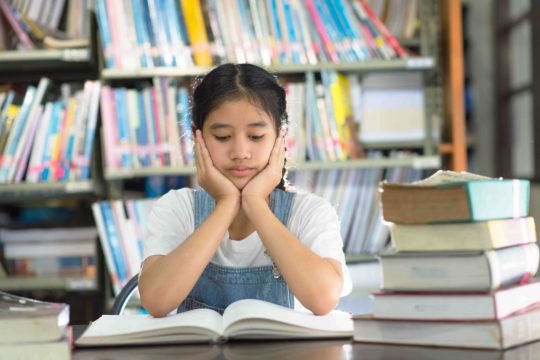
(240, 184)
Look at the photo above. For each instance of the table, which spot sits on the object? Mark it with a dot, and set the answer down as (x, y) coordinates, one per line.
(301, 349)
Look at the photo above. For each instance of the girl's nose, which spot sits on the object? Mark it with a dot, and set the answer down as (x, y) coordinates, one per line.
(240, 150)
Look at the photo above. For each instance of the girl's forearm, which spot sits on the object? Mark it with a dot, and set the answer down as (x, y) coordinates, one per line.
(167, 280)
(316, 282)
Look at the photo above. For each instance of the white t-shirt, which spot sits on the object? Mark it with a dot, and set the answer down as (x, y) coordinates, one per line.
(312, 220)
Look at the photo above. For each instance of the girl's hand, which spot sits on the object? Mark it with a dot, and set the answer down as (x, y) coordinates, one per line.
(262, 185)
(210, 178)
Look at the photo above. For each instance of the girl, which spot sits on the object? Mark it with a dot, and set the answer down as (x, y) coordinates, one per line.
(242, 235)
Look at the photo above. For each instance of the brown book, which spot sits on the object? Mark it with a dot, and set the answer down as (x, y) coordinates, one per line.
(449, 196)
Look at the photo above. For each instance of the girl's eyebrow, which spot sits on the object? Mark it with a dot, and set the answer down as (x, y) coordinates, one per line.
(256, 124)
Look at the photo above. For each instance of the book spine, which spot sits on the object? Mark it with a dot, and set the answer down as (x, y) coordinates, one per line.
(321, 30)
(10, 17)
(382, 28)
(198, 37)
(99, 218)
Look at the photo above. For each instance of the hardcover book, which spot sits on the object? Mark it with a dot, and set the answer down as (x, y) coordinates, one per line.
(459, 271)
(492, 334)
(456, 305)
(448, 196)
(24, 320)
(463, 236)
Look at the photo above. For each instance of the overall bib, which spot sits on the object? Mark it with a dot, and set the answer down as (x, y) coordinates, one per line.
(219, 286)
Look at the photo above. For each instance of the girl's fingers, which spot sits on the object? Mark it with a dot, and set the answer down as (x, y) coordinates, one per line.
(278, 145)
(205, 155)
(199, 163)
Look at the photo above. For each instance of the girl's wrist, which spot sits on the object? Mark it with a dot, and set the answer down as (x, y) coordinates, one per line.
(253, 202)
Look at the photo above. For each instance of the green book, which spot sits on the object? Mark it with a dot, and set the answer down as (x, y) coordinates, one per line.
(449, 196)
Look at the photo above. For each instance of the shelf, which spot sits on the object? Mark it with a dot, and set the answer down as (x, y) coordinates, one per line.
(10, 192)
(412, 63)
(417, 162)
(38, 56)
(57, 64)
(47, 283)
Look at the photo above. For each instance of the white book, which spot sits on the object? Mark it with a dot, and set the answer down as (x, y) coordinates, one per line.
(246, 319)
(459, 271)
(495, 334)
(490, 305)
(46, 234)
(39, 249)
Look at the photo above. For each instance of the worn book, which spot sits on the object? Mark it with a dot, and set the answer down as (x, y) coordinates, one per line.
(24, 320)
(456, 305)
(246, 319)
(459, 271)
(449, 196)
(50, 350)
(463, 236)
(501, 334)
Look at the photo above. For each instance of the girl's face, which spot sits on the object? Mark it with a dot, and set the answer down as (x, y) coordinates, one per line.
(239, 137)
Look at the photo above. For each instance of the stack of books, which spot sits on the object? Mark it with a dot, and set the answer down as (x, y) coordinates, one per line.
(33, 329)
(462, 273)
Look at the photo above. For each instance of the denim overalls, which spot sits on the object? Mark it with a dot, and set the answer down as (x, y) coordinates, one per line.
(219, 286)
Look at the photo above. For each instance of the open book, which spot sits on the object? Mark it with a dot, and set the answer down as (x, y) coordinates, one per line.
(244, 319)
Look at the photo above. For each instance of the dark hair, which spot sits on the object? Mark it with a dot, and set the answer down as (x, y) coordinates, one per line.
(229, 82)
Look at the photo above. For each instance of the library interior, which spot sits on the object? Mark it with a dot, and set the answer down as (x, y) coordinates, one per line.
(411, 121)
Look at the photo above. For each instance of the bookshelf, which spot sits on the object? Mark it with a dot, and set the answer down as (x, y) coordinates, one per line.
(440, 27)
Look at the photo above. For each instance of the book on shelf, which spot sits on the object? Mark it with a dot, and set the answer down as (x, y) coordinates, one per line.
(463, 236)
(247, 319)
(268, 32)
(43, 140)
(496, 304)
(459, 271)
(36, 26)
(393, 108)
(500, 334)
(121, 227)
(449, 196)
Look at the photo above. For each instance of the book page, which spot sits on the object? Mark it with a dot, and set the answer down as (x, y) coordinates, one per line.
(111, 329)
(258, 315)
(448, 176)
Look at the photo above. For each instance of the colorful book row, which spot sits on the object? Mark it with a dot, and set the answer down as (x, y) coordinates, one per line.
(150, 126)
(43, 141)
(121, 227)
(167, 33)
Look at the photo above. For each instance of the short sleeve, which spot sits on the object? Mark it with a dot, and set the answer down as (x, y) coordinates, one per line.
(169, 223)
(315, 223)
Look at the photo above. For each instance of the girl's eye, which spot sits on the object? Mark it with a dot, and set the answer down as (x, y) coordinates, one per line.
(256, 137)
(222, 138)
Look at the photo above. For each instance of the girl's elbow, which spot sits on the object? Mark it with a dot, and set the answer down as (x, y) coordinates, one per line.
(154, 304)
(324, 304)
